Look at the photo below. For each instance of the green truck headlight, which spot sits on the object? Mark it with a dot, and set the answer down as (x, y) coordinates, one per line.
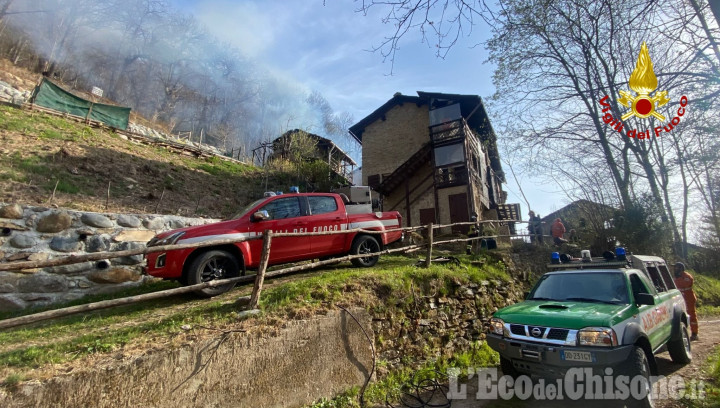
(497, 326)
(597, 336)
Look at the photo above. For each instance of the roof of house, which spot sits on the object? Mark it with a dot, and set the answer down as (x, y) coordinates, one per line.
(597, 208)
(323, 142)
(471, 108)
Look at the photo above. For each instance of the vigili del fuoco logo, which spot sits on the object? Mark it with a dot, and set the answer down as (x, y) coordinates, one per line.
(642, 105)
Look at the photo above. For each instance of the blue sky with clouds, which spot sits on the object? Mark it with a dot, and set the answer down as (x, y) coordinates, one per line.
(325, 46)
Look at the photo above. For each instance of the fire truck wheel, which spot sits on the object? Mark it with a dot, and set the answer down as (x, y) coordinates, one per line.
(213, 265)
(365, 244)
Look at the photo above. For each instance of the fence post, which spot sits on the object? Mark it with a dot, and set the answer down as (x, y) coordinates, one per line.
(255, 298)
(430, 244)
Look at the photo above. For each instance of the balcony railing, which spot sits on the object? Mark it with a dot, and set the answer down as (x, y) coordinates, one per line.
(451, 176)
(448, 131)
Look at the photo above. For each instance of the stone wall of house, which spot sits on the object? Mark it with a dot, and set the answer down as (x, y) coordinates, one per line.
(42, 233)
(389, 143)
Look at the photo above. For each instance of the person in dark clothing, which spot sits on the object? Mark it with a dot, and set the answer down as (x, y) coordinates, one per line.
(535, 227)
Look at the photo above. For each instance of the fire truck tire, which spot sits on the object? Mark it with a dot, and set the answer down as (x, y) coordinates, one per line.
(212, 265)
(365, 244)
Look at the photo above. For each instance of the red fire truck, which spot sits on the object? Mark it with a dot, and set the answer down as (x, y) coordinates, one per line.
(299, 212)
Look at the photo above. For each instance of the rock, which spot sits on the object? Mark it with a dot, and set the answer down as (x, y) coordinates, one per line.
(22, 241)
(11, 302)
(42, 282)
(243, 301)
(129, 221)
(19, 256)
(114, 275)
(128, 260)
(96, 220)
(175, 224)
(54, 222)
(39, 256)
(154, 223)
(134, 236)
(71, 269)
(9, 227)
(6, 288)
(83, 284)
(12, 211)
(65, 244)
(98, 243)
(88, 232)
(247, 313)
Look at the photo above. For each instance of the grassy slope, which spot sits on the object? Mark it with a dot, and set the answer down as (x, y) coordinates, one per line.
(27, 351)
(38, 151)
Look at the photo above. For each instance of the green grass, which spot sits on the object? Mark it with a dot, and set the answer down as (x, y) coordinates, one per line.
(42, 125)
(707, 290)
(709, 395)
(384, 287)
(33, 165)
(52, 134)
(391, 387)
(218, 167)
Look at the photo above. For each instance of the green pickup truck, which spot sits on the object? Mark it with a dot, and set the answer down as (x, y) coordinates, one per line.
(601, 313)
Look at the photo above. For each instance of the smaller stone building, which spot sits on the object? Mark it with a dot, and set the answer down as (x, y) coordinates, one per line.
(311, 146)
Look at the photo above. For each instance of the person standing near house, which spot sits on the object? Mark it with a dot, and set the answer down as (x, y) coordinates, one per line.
(684, 282)
(535, 227)
(557, 229)
(531, 226)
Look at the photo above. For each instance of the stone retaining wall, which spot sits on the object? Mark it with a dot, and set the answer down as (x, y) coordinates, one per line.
(301, 361)
(41, 233)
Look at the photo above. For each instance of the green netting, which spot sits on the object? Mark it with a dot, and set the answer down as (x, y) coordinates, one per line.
(51, 96)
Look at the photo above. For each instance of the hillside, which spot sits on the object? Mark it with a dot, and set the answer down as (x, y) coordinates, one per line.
(39, 151)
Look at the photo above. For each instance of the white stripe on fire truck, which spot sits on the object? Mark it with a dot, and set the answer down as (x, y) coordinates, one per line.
(218, 236)
(343, 227)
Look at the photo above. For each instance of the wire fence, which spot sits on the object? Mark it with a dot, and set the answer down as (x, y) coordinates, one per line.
(258, 278)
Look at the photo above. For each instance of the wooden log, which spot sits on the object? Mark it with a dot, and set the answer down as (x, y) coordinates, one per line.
(51, 314)
(429, 245)
(160, 200)
(107, 200)
(260, 277)
(52, 197)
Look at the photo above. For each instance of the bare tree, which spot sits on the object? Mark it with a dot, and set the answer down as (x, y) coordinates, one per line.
(555, 63)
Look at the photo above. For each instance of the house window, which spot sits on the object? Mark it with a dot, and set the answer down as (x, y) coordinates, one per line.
(449, 154)
(374, 180)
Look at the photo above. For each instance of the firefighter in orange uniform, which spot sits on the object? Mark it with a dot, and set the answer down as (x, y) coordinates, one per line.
(684, 282)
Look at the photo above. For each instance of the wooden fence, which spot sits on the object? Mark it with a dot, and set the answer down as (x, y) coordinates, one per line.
(258, 278)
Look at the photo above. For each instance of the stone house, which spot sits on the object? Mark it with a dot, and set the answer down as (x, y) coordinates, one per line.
(434, 158)
(312, 146)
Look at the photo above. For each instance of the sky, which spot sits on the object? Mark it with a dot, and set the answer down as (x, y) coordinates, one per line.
(326, 46)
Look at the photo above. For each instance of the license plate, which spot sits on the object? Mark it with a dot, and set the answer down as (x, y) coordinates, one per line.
(584, 356)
